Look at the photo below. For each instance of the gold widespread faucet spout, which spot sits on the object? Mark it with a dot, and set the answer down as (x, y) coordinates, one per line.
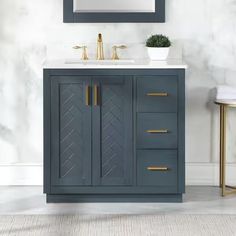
(100, 52)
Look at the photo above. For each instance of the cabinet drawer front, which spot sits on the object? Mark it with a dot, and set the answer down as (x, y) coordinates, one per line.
(156, 130)
(157, 94)
(157, 167)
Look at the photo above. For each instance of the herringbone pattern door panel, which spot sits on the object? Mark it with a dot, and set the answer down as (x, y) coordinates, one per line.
(72, 159)
(71, 141)
(112, 121)
(113, 130)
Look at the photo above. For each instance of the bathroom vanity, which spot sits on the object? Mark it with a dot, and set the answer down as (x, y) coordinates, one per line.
(114, 132)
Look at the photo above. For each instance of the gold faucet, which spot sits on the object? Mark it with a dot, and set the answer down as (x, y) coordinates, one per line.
(100, 52)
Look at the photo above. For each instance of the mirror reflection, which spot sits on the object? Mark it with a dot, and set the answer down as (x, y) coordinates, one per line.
(118, 6)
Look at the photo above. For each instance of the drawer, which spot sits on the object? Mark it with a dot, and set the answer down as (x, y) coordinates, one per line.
(157, 94)
(156, 130)
(157, 168)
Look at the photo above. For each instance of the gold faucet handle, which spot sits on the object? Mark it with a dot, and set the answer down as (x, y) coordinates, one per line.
(114, 51)
(84, 53)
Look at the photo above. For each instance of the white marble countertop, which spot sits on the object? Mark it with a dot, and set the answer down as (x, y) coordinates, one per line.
(122, 64)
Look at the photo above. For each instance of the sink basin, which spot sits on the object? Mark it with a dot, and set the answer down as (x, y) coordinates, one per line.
(101, 62)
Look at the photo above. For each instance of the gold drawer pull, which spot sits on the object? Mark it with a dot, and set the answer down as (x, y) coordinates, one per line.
(157, 131)
(157, 94)
(87, 95)
(157, 168)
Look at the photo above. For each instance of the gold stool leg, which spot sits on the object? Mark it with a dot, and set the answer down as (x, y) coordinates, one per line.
(221, 142)
(223, 146)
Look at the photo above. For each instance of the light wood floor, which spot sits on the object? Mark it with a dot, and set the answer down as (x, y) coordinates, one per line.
(197, 200)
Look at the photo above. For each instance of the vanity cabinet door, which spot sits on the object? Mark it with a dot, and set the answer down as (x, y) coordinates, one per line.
(112, 131)
(71, 131)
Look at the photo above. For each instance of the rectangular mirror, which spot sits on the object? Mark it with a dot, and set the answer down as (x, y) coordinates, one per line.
(84, 11)
(114, 6)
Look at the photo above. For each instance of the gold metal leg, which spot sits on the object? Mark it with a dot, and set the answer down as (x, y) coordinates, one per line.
(223, 152)
(221, 139)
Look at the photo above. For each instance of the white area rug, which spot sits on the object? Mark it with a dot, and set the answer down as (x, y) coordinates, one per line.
(119, 225)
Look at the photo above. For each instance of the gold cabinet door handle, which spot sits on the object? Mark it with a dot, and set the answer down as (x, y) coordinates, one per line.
(96, 95)
(162, 94)
(157, 168)
(157, 131)
(87, 95)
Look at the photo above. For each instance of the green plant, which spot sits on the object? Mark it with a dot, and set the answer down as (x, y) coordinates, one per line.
(158, 41)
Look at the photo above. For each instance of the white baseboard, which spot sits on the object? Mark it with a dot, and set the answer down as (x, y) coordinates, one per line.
(196, 174)
(21, 174)
(208, 174)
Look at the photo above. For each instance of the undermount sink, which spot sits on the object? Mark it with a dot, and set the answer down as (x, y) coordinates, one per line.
(100, 62)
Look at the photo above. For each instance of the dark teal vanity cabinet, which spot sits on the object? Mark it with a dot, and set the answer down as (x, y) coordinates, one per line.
(114, 135)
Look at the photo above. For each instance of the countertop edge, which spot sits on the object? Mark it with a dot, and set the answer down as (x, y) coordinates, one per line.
(170, 64)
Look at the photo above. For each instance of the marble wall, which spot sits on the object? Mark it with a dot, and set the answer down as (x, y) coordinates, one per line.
(31, 31)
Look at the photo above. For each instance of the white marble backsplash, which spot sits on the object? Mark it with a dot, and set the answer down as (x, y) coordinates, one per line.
(133, 51)
(204, 31)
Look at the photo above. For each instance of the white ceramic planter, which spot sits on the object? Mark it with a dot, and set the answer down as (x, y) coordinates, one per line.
(158, 54)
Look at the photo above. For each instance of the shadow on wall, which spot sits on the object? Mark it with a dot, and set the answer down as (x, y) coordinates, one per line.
(214, 141)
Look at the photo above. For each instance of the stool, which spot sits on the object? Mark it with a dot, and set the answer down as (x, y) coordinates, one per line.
(224, 104)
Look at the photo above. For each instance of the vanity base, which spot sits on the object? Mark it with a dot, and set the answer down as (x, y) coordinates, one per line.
(114, 135)
(73, 198)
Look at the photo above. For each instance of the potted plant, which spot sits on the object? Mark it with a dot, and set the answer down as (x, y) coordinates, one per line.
(158, 47)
